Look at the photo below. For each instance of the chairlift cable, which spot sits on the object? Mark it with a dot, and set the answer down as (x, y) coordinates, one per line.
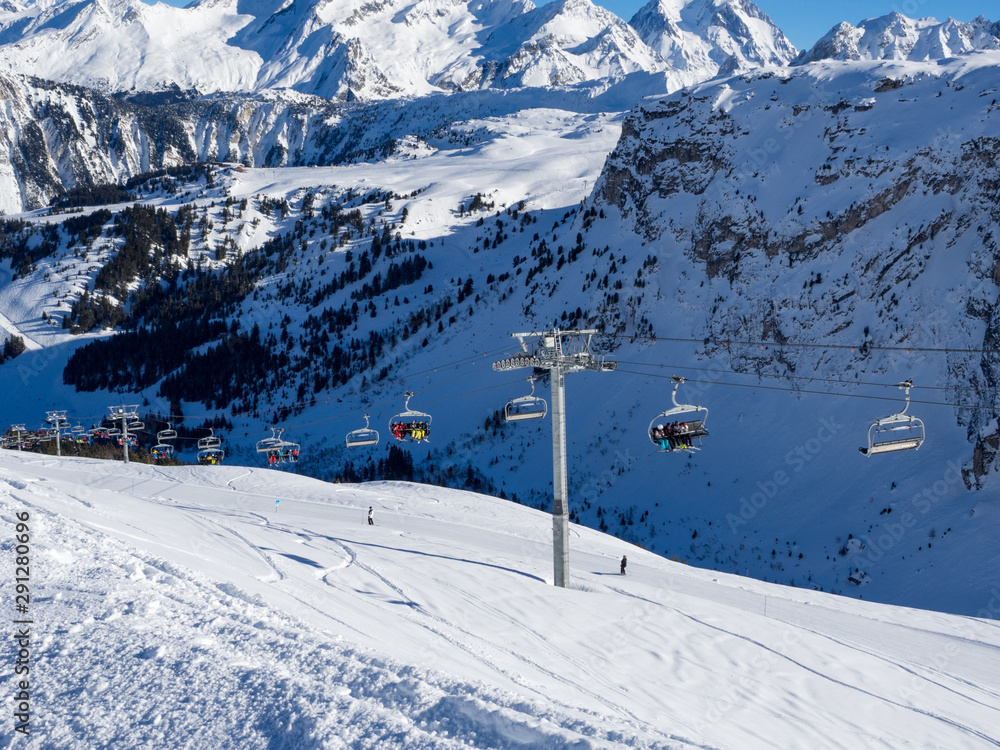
(793, 345)
(818, 393)
(805, 377)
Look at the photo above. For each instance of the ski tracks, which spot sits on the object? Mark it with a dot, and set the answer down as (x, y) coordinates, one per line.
(846, 685)
(484, 651)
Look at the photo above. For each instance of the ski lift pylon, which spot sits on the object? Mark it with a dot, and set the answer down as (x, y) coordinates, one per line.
(361, 437)
(679, 428)
(410, 424)
(525, 407)
(897, 432)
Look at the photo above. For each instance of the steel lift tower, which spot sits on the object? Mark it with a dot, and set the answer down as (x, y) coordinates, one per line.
(560, 352)
(125, 414)
(58, 421)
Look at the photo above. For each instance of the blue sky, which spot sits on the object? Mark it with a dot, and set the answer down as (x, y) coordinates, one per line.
(805, 22)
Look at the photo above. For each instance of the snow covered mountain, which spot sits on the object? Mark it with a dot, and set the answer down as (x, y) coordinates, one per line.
(58, 137)
(561, 43)
(896, 37)
(344, 50)
(719, 35)
(254, 609)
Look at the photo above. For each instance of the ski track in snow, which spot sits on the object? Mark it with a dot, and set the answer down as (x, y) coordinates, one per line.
(179, 582)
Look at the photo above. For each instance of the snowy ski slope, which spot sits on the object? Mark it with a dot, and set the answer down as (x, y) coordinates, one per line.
(780, 491)
(229, 607)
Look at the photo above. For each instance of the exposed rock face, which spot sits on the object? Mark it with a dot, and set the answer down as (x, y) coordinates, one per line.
(868, 187)
(54, 137)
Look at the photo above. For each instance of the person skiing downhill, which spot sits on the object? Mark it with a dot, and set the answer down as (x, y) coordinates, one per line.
(624, 563)
(371, 516)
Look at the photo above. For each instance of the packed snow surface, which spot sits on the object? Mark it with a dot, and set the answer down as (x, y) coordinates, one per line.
(229, 607)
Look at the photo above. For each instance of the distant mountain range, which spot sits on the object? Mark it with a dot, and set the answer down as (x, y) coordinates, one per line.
(348, 50)
(896, 37)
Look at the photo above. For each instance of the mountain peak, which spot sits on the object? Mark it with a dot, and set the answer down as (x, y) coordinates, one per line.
(741, 35)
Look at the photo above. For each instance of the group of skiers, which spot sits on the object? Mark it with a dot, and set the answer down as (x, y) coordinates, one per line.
(414, 430)
(670, 436)
(279, 456)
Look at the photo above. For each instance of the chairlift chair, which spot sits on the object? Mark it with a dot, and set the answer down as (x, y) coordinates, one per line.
(361, 437)
(680, 428)
(897, 432)
(168, 434)
(287, 450)
(278, 450)
(211, 456)
(525, 407)
(210, 441)
(210, 450)
(410, 424)
(163, 450)
(268, 444)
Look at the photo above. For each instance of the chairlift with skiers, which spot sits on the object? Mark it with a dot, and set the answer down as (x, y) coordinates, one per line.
(410, 424)
(278, 450)
(163, 448)
(680, 428)
(210, 450)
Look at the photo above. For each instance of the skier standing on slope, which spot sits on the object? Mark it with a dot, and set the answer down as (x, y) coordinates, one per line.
(371, 516)
(624, 563)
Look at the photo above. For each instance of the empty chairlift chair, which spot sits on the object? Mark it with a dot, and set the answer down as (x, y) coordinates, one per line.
(410, 424)
(680, 428)
(897, 432)
(525, 407)
(361, 437)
